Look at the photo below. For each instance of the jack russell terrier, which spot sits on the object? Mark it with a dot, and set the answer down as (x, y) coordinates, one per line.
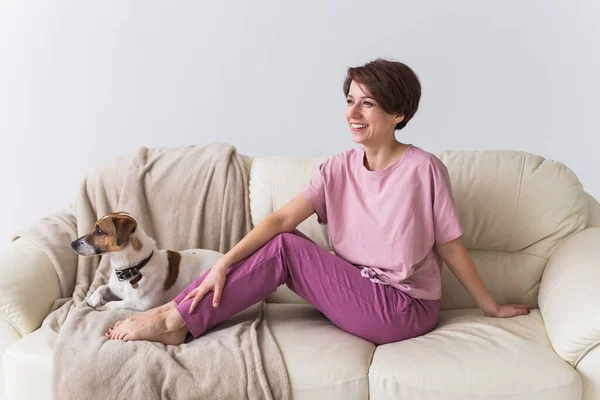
(144, 277)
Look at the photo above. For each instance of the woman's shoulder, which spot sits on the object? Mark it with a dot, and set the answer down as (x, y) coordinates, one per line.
(348, 154)
(343, 159)
(427, 158)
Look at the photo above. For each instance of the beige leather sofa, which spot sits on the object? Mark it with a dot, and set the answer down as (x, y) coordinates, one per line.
(533, 233)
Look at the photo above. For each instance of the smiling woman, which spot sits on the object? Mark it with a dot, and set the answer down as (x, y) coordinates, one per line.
(391, 219)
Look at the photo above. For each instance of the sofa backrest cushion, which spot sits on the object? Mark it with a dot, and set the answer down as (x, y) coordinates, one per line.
(515, 208)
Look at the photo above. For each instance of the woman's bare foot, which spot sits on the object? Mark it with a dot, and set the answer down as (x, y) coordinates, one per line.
(166, 327)
(145, 314)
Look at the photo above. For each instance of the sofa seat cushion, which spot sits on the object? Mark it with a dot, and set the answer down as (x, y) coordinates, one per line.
(28, 366)
(323, 361)
(470, 356)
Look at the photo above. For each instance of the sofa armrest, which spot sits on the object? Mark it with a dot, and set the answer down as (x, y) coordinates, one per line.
(569, 298)
(28, 288)
(589, 370)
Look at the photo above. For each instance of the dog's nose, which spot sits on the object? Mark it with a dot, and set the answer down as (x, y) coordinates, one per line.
(74, 245)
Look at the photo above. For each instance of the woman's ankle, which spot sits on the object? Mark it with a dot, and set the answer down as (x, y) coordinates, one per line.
(173, 320)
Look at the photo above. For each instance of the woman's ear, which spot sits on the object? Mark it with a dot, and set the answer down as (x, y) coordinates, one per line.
(398, 118)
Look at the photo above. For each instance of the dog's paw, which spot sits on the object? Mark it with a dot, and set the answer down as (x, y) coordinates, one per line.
(95, 300)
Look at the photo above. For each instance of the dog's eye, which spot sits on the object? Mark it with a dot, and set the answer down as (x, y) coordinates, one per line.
(99, 231)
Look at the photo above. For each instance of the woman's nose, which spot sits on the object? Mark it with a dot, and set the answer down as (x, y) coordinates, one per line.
(354, 111)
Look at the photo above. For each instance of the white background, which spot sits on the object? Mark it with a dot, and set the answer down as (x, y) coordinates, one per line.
(82, 82)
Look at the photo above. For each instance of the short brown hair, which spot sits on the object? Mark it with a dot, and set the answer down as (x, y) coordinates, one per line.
(392, 84)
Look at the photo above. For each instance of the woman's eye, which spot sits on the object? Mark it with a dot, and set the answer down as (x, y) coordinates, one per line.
(348, 101)
(368, 103)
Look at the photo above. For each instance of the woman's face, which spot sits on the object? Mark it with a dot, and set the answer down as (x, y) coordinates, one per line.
(368, 122)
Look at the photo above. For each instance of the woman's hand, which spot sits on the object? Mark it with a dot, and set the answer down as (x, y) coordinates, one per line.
(508, 310)
(215, 280)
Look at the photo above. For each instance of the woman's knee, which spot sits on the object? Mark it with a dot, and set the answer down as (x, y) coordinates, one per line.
(285, 238)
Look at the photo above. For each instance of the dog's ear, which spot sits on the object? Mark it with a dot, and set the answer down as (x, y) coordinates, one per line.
(124, 227)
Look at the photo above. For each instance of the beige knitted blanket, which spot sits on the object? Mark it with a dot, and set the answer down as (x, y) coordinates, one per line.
(192, 197)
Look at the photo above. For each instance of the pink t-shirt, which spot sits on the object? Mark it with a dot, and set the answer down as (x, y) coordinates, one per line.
(388, 221)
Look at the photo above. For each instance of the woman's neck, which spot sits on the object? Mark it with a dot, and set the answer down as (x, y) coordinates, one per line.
(380, 157)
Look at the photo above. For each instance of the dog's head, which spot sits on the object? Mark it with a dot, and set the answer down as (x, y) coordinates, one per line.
(111, 233)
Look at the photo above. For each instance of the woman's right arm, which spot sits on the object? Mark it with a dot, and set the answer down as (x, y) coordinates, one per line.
(286, 219)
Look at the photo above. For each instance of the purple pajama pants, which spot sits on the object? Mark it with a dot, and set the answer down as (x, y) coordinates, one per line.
(373, 311)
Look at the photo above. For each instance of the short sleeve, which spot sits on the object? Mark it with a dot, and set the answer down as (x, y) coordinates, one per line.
(446, 224)
(314, 191)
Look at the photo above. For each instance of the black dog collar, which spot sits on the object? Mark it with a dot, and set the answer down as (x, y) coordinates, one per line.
(133, 272)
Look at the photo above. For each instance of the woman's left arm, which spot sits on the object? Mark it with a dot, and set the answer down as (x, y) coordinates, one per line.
(457, 258)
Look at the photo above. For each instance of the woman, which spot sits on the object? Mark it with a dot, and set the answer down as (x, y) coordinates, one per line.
(391, 219)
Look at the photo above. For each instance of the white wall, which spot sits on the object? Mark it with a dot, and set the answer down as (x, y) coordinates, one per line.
(81, 82)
